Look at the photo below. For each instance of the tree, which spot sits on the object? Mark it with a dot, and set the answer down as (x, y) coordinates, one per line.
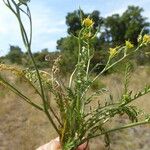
(125, 27)
(134, 23)
(15, 54)
(68, 48)
(73, 20)
(115, 29)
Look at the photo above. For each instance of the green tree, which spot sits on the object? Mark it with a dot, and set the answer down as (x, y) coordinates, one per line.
(134, 23)
(68, 48)
(40, 58)
(73, 20)
(125, 27)
(15, 54)
(114, 30)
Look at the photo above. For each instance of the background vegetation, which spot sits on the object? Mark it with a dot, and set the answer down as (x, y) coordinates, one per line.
(24, 128)
(113, 31)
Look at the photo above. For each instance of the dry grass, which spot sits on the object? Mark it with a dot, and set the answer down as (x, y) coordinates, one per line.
(24, 128)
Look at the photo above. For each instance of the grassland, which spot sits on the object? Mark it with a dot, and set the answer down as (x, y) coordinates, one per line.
(24, 128)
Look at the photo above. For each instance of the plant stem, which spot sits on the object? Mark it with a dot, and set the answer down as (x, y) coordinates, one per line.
(116, 129)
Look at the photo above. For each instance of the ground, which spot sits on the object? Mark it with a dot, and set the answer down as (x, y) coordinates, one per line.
(24, 128)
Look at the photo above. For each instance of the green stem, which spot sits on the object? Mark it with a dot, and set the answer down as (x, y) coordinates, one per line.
(116, 129)
(89, 60)
(27, 42)
(107, 67)
(26, 99)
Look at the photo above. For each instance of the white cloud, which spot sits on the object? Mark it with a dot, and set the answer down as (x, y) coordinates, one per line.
(51, 44)
(61, 22)
(116, 11)
(88, 8)
(56, 30)
(7, 21)
(2, 29)
(124, 6)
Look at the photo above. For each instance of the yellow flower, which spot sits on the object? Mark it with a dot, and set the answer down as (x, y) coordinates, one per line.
(113, 51)
(129, 45)
(146, 39)
(87, 35)
(87, 22)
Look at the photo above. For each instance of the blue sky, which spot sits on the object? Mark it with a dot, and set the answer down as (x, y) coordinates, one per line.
(49, 20)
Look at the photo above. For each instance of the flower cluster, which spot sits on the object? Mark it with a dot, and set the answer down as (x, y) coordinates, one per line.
(87, 32)
(113, 51)
(146, 39)
(87, 22)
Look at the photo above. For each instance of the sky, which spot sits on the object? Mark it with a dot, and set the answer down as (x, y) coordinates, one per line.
(48, 18)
